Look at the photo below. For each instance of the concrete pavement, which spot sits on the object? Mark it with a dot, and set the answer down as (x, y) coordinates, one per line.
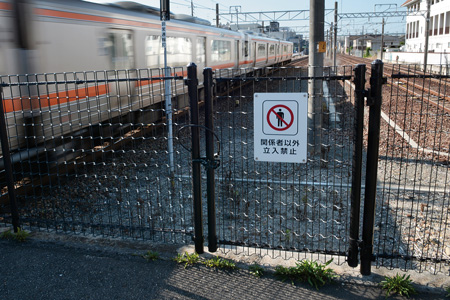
(52, 266)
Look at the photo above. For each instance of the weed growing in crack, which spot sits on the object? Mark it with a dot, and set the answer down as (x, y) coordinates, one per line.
(316, 274)
(256, 270)
(19, 236)
(398, 285)
(220, 263)
(151, 255)
(187, 259)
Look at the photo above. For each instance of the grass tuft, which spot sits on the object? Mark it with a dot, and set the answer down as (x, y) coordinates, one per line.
(220, 263)
(316, 274)
(19, 236)
(256, 270)
(398, 285)
(187, 259)
(151, 255)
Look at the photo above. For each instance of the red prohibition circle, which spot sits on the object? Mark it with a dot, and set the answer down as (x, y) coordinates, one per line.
(272, 110)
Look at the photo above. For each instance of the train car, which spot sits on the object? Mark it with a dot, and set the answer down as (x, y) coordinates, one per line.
(58, 39)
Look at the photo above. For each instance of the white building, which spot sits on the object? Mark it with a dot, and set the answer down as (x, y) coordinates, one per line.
(439, 33)
(439, 26)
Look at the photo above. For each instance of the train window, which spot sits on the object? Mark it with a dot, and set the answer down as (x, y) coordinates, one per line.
(179, 51)
(220, 51)
(261, 50)
(272, 50)
(121, 49)
(201, 50)
(153, 51)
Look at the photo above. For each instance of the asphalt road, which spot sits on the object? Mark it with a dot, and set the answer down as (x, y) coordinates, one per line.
(49, 270)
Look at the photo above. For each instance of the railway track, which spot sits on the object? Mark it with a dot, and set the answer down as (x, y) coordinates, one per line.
(436, 88)
(413, 112)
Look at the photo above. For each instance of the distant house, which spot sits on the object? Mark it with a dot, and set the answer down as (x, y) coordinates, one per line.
(373, 41)
(360, 42)
(389, 41)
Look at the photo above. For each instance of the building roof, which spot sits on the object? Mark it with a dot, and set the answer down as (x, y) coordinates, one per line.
(408, 2)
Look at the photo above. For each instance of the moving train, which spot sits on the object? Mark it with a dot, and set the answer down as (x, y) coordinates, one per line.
(62, 39)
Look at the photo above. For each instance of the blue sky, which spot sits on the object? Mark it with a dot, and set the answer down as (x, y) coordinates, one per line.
(206, 9)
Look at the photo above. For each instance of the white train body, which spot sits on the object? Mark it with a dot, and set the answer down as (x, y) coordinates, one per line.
(74, 36)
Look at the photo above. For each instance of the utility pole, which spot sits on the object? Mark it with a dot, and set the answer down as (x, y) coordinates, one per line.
(165, 16)
(362, 43)
(427, 37)
(192, 7)
(335, 35)
(331, 40)
(217, 15)
(382, 39)
(316, 35)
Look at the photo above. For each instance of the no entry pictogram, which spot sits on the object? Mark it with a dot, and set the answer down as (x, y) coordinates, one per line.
(279, 117)
(283, 116)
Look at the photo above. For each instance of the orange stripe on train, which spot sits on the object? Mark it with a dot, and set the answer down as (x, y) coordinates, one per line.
(43, 101)
(93, 18)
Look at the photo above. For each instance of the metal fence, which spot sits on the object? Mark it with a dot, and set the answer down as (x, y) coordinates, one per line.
(88, 153)
(412, 214)
(297, 207)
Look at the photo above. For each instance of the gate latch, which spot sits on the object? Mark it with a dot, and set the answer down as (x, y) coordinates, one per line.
(207, 163)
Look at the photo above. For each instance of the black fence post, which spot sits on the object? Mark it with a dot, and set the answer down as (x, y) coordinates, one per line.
(8, 166)
(374, 101)
(209, 137)
(360, 82)
(192, 83)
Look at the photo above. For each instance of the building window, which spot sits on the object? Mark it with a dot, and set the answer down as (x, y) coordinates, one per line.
(447, 22)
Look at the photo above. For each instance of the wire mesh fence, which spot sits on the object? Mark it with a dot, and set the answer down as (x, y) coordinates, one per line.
(297, 207)
(90, 155)
(412, 216)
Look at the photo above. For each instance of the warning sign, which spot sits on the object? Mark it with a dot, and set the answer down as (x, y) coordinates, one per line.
(322, 47)
(280, 123)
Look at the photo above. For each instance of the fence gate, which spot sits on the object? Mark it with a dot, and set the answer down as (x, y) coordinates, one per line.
(298, 207)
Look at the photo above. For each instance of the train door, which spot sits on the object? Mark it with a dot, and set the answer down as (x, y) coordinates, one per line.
(121, 49)
(122, 61)
(200, 56)
(246, 51)
(238, 53)
(254, 51)
(278, 55)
